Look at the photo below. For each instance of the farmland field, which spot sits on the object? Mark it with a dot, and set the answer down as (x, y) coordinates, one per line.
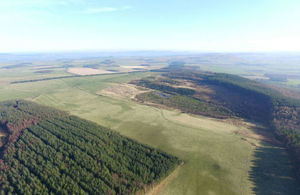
(220, 156)
(87, 71)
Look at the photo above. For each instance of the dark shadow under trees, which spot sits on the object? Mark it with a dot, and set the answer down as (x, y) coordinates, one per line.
(273, 171)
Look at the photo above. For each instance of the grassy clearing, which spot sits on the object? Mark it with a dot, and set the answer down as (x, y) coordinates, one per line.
(206, 145)
(123, 90)
(217, 159)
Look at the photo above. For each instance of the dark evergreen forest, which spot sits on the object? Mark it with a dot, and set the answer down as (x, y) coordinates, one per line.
(46, 151)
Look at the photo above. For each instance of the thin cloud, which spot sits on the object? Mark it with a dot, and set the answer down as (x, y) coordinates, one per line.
(126, 7)
(100, 10)
(105, 9)
(39, 3)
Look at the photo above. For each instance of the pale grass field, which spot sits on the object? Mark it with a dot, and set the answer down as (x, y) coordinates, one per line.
(123, 90)
(129, 67)
(87, 71)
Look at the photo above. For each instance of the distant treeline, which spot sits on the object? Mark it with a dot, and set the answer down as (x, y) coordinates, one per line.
(44, 79)
(55, 153)
(20, 65)
(66, 77)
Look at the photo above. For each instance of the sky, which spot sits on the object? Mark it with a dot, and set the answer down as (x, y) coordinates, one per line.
(179, 25)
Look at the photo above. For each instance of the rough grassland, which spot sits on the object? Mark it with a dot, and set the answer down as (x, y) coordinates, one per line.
(217, 159)
(205, 146)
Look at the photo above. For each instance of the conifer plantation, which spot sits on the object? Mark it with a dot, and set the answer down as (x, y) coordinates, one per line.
(46, 151)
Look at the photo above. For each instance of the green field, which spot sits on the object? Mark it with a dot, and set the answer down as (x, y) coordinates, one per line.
(218, 159)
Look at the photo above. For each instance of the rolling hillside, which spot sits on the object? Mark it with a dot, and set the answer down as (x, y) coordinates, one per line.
(222, 95)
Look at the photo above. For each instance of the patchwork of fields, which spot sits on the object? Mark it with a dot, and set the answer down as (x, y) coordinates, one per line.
(219, 157)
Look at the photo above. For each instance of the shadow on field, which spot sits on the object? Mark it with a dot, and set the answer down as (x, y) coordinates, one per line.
(273, 172)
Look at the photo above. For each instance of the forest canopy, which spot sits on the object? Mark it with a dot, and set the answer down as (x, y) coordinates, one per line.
(46, 151)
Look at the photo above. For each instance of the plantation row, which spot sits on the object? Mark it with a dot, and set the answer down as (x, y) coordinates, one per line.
(67, 77)
(68, 155)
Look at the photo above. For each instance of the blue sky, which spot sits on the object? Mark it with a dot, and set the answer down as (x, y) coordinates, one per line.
(195, 25)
